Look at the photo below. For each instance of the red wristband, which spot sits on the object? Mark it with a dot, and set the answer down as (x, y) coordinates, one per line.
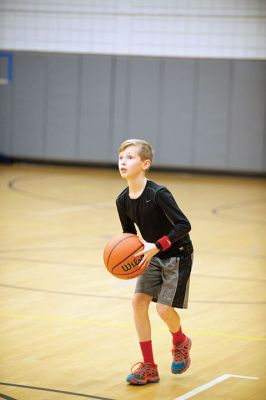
(164, 243)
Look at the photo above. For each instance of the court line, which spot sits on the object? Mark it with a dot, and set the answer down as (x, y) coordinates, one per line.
(210, 384)
(229, 335)
(215, 253)
(73, 209)
(218, 211)
(116, 324)
(12, 185)
(28, 260)
(71, 321)
(44, 248)
(58, 292)
(5, 397)
(98, 296)
(88, 396)
(130, 282)
(73, 206)
(100, 246)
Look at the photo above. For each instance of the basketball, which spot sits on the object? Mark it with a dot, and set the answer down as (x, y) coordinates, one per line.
(119, 256)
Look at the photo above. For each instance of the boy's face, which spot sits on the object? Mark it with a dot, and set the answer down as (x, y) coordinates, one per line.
(130, 164)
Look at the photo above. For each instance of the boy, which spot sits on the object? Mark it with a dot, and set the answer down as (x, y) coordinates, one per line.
(167, 257)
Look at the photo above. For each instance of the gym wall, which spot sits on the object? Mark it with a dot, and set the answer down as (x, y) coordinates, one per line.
(87, 75)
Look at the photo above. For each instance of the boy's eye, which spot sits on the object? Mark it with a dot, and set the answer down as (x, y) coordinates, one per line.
(129, 157)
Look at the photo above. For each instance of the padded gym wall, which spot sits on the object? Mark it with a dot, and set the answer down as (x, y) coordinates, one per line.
(196, 113)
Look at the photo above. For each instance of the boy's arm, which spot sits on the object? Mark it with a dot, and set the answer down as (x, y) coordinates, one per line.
(127, 224)
(181, 225)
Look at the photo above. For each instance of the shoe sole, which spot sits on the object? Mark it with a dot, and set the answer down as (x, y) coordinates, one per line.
(174, 371)
(141, 383)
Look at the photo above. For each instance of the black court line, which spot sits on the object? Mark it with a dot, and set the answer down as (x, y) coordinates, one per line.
(65, 293)
(123, 298)
(28, 260)
(228, 278)
(215, 253)
(88, 396)
(88, 266)
(5, 397)
(218, 211)
(12, 185)
(44, 249)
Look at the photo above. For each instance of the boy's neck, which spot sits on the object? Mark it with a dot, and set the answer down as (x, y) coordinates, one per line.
(136, 186)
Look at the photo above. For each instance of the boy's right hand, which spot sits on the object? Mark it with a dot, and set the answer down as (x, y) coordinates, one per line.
(148, 252)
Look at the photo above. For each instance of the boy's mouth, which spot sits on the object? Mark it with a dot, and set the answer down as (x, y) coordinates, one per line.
(123, 170)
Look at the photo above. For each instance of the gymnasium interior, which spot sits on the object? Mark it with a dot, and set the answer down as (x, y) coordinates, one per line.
(77, 78)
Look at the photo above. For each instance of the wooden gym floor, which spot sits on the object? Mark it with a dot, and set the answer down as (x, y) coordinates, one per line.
(66, 328)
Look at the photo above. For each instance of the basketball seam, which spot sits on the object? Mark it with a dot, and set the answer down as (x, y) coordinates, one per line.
(117, 245)
(120, 262)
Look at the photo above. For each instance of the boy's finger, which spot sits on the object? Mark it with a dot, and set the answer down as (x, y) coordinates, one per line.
(142, 265)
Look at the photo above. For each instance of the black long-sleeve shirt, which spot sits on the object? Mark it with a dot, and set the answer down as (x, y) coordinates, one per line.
(156, 214)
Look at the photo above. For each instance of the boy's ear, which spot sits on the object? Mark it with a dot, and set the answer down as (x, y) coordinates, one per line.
(146, 164)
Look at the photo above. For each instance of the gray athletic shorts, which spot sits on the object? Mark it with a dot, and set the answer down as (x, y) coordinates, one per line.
(167, 280)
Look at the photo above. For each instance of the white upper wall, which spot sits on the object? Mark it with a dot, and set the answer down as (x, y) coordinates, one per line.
(169, 28)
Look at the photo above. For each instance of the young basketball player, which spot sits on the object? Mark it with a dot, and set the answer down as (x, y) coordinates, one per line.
(167, 254)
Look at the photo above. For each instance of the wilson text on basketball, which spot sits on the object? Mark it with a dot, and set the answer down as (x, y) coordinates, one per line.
(132, 264)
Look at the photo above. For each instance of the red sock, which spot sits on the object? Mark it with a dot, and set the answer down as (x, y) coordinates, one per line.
(146, 348)
(178, 337)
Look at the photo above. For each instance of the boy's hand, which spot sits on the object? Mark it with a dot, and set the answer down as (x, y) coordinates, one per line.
(148, 252)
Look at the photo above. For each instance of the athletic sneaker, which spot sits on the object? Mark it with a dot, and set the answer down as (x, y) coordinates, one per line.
(181, 359)
(144, 373)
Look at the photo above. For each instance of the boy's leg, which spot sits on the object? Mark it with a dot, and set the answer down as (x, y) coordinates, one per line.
(146, 372)
(181, 343)
(174, 294)
(169, 315)
(140, 304)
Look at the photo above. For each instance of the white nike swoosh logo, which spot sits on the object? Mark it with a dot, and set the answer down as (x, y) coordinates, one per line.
(147, 201)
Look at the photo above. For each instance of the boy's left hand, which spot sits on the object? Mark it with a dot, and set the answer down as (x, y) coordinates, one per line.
(148, 252)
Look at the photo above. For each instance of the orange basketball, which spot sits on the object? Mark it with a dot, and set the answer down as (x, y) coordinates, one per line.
(119, 256)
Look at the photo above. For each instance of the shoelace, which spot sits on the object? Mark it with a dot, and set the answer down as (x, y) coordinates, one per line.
(180, 352)
(143, 368)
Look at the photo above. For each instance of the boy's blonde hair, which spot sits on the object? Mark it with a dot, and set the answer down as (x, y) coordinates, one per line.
(145, 150)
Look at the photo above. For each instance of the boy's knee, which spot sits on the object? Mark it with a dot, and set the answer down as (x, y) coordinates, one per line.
(140, 303)
(164, 311)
